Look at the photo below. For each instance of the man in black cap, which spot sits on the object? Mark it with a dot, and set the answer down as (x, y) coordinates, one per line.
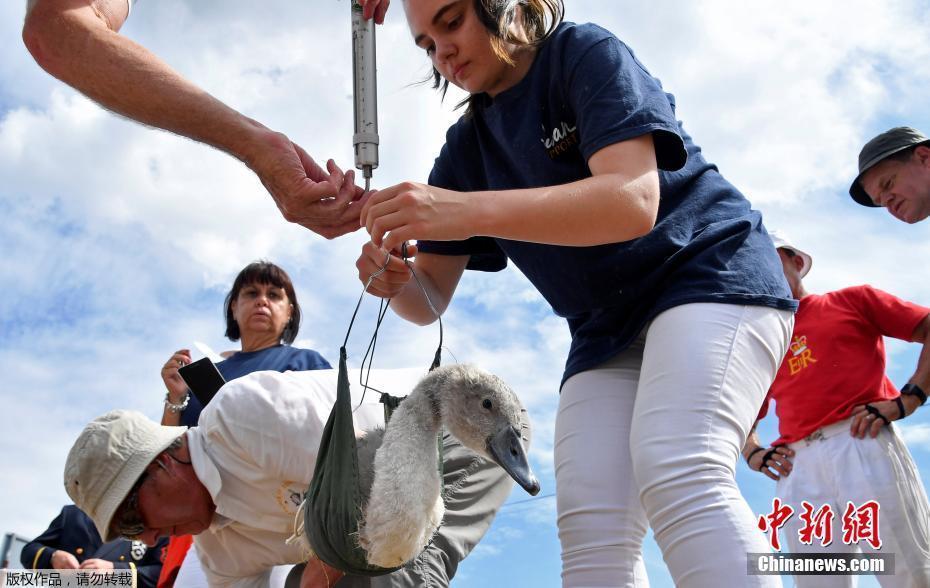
(894, 172)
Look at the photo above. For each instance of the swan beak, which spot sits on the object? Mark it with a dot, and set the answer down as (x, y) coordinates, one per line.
(506, 449)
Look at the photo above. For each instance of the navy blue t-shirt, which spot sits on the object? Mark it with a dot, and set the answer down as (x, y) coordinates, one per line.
(280, 358)
(585, 91)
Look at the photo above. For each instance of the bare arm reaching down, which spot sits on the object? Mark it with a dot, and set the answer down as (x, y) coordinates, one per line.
(78, 42)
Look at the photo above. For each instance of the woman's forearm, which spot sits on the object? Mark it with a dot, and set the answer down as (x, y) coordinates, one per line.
(411, 304)
(601, 209)
(618, 202)
(419, 292)
(438, 277)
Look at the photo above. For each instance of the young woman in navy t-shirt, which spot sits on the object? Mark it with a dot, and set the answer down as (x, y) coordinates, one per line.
(570, 163)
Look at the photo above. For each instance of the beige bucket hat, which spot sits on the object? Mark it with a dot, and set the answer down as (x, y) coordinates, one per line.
(108, 458)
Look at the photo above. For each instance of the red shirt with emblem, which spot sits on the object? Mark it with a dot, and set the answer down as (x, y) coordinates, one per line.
(836, 359)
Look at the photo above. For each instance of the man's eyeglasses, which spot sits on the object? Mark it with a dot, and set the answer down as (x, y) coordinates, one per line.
(127, 521)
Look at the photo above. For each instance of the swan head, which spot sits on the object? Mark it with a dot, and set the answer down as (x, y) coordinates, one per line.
(482, 412)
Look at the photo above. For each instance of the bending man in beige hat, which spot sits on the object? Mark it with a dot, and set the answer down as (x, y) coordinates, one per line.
(237, 479)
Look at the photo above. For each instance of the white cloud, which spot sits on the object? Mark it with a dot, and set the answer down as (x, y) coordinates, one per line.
(917, 436)
(119, 241)
(780, 96)
(484, 550)
(537, 511)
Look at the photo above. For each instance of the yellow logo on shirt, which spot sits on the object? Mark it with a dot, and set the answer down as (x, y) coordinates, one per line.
(801, 355)
(290, 495)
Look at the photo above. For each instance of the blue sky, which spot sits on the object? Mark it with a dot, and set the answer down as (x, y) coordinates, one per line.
(119, 242)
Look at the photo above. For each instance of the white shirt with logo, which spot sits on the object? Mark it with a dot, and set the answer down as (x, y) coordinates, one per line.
(255, 449)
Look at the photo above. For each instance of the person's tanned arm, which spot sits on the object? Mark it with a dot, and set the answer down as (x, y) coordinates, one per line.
(863, 425)
(921, 375)
(78, 42)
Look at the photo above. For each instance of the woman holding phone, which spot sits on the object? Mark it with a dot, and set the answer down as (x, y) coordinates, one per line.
(570, 163)
(263, 314)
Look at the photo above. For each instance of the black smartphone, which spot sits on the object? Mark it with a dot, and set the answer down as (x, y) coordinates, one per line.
(202, 378)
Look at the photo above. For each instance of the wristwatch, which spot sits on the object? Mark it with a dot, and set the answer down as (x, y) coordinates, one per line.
(914, 390)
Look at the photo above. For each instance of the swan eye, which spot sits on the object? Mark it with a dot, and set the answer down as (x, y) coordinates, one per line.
(486, 403)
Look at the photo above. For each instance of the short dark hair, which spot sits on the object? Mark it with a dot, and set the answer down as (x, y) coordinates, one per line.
(263, 272)
(540, 19)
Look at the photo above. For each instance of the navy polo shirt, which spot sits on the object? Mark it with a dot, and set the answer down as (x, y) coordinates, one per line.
(280, 358)
(585, 91)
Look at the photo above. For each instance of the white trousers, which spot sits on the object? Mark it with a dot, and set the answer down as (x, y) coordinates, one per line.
(652, 437)
(840, 468)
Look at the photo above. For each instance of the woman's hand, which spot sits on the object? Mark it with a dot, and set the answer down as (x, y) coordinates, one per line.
(169, 374)
(390, 282)
(410, 211)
